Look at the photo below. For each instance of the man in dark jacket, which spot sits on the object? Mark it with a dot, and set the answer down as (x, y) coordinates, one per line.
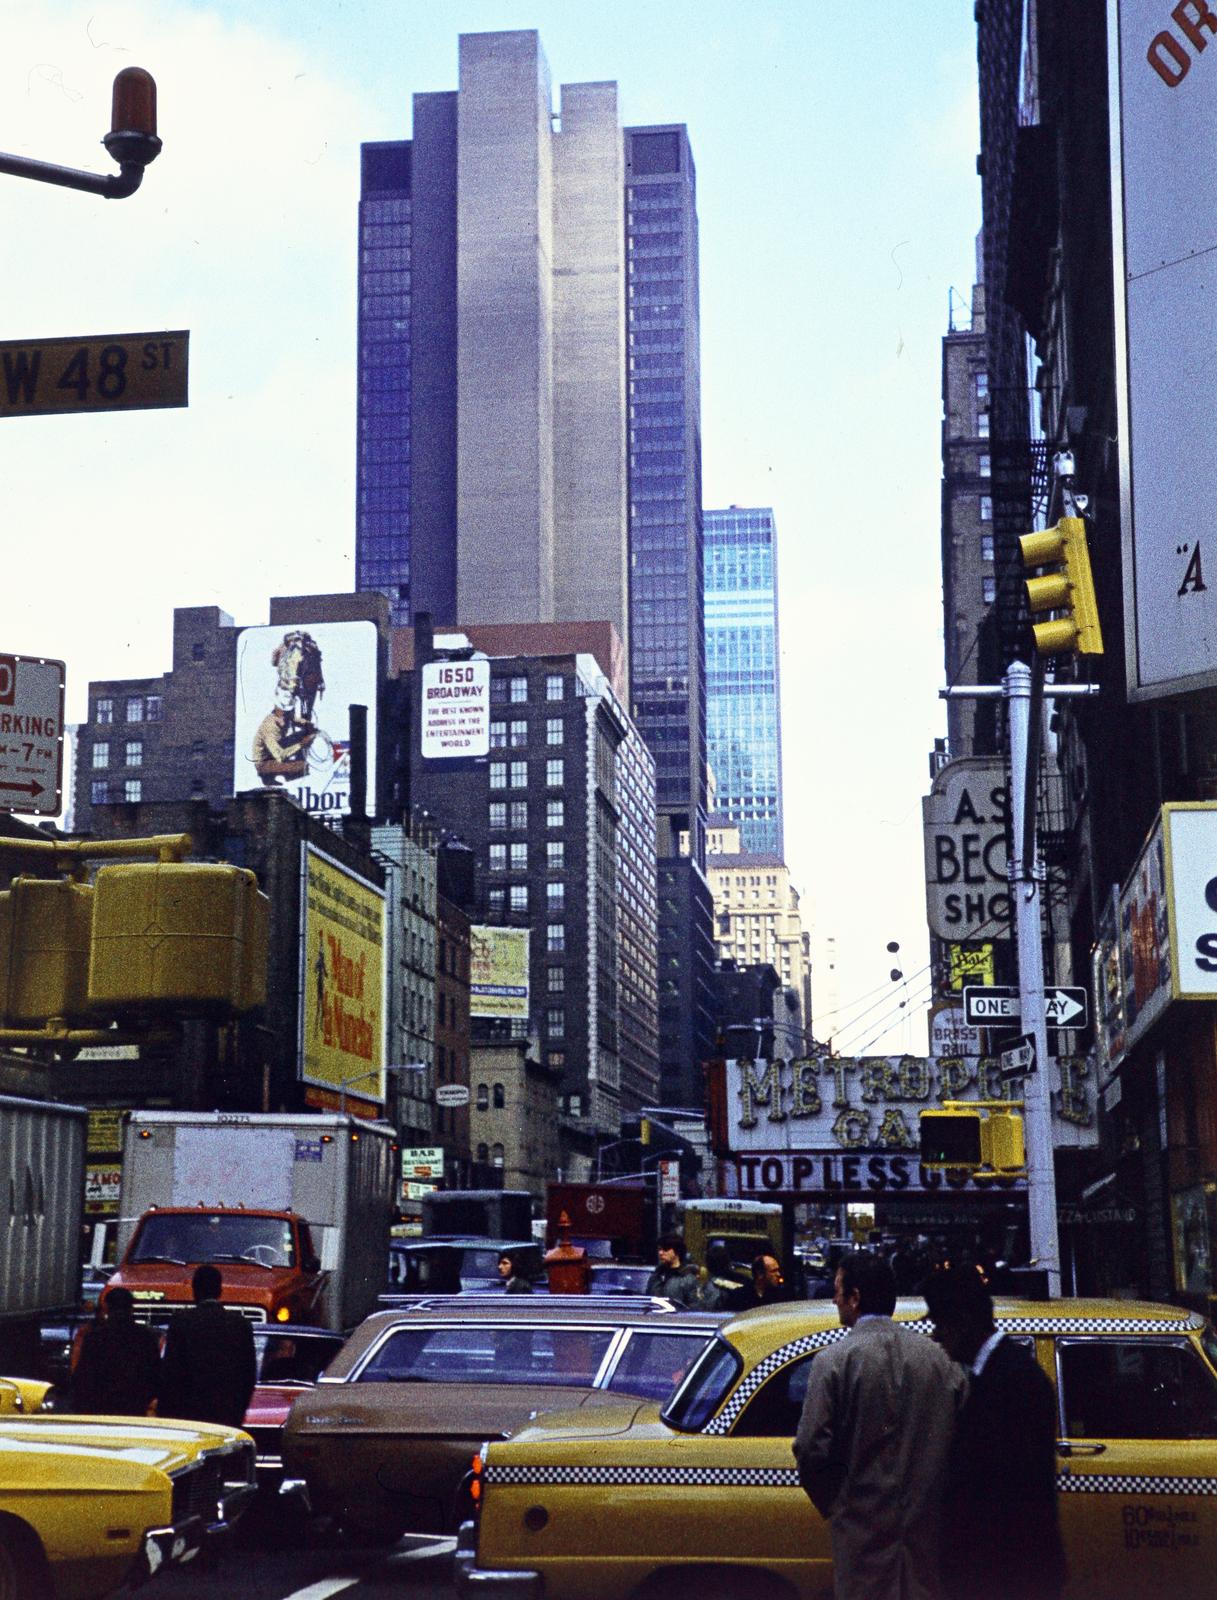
(673, 1277)
(209, 1367)
(768, 1286)
(116, 1371)
(1001, 1538)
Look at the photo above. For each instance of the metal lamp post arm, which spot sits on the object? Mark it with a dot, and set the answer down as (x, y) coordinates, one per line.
(131, 141)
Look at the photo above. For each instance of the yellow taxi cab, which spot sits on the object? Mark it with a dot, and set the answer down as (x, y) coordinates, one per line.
(90, 1503)
(699, 1497)
(23, 1395)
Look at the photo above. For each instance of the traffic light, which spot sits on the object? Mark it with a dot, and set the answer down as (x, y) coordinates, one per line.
(987, 1141)
(175, 937)
(1069, 590)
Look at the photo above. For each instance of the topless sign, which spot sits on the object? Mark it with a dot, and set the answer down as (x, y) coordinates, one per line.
(296, 683)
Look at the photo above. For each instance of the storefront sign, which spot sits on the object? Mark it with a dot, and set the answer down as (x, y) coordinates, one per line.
(971, 964)
(1145, 943)
(103, 1183)
(1107, 986)
(1191, 866)
(423, 1163)
(867, 1173)
(341, 989)
(964, 821)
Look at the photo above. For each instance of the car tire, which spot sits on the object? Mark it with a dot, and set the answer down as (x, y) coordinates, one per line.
(24, 1573)
(713, 1583)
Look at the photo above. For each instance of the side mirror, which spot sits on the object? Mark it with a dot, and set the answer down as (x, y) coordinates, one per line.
(311, 1264)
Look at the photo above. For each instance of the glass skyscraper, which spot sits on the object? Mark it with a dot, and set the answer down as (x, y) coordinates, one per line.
(742, 693)
(667, 612)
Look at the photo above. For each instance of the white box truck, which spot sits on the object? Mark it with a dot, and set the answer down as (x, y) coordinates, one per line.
(42, 1185)
(294, 1210)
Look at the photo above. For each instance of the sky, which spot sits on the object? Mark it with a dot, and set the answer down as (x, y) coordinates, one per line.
(838, 203)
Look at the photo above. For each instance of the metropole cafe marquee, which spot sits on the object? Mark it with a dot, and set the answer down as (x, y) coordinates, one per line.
(846, 1127)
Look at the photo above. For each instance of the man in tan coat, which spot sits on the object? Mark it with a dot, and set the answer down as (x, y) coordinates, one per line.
(874, 1440)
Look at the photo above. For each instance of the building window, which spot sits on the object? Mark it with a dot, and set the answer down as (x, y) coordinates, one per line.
(519, 857)
(574, 1102)
(518, 897)
(496, 1155)
(498, 858)
(132, 789)
(986, 508)
(519, 774)
(989, 590)
(198, 749)
(519, 815)
(555, 896)
(498, 736)
(497, 902)
(555, 938)
(555, 686)
(981, 382)
(554, 730)
(498, 813)
(135, 753)
(519, 691)
(99, 793)
(199, 650)
(555, 855)
(105, 710)
(152, 708)
(557, 980)
(498, 690)
(101, 755)
(135, 708)
(500, 1098)
(498, 774)
(196, 789)
(555, 813)
(986, 547)
(984, 467)
(982, 425)
(555, 773)
(519, 734)
(483, 1154)
(555, 1022)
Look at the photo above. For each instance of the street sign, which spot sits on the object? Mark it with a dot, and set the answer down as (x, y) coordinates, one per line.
(998, 1003)
(31, 735)
(1019, 1060)
(98, 372)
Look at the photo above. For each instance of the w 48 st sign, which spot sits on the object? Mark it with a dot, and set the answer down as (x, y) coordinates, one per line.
(997, 1006)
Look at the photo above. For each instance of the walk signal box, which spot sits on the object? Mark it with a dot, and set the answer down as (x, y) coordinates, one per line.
(177, 936)
(45, 928)
(984, 1141)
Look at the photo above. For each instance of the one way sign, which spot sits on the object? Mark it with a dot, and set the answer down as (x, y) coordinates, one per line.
(992, 1005)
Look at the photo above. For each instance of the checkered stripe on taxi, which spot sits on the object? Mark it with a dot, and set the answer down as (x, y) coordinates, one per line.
(1131, 1483)
(765, 1368)
(608, 1477)
(1099, 1324)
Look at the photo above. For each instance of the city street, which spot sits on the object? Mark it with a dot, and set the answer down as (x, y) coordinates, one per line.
(257, 1568)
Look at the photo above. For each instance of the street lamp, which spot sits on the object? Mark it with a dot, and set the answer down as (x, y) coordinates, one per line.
(374, 1072)
(131, 141)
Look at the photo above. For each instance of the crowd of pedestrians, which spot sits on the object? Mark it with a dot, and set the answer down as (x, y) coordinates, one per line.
(205, 1373)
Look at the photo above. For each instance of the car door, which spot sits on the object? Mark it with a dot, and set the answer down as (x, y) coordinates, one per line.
(759, 1512)
(1137, 1459)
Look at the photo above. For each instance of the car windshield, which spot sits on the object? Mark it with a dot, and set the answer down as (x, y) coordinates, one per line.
(188, 1237)
(705, 1389)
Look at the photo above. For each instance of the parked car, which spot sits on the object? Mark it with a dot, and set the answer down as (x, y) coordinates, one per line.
(383, 1441)
(619, 1277)
(1137, 1396)
(290, 1359)
(89, 1504)
(23, 1396)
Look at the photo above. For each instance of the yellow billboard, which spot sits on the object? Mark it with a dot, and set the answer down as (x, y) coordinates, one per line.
(342, 944)
(498, 972)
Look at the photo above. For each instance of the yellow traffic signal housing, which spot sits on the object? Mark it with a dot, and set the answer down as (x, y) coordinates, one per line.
(45, 924)
(951, 1139)
(982, 1139)
(1069, 590)
(178, 936)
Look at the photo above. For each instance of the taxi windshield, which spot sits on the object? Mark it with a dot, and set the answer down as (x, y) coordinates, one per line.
(709, 1381)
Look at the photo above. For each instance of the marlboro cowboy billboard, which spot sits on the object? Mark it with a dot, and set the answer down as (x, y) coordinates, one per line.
(846, 1125)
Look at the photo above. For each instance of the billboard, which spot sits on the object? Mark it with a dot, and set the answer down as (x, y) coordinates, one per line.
(498, 972)
(967, 892)
(342, 953)
(455, 709)
(295, 684)
(1163, 104)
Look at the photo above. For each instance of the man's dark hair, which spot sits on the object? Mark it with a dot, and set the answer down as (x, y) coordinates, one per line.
(120, 1302)
(874, 1280)
(672, 1241)
(506, 1255)
(958, 1294)
(207, 1282)
(718, 1259)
